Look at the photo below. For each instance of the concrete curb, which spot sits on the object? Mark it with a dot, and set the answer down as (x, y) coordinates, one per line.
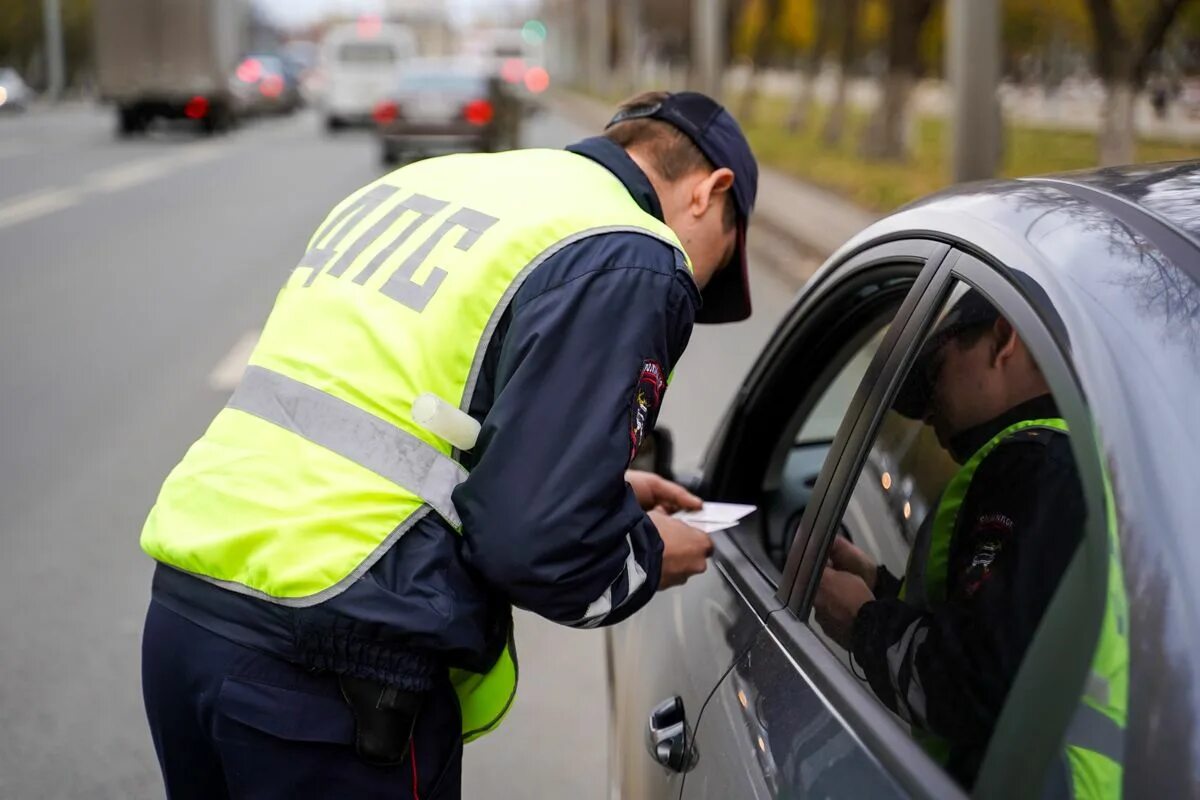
(811, 220)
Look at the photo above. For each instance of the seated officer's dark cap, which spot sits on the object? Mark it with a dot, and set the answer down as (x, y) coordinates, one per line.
(717, 135)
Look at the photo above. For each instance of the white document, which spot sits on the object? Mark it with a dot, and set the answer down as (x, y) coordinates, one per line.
(713, 517)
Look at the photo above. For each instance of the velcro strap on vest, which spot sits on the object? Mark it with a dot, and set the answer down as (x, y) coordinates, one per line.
(355, 434)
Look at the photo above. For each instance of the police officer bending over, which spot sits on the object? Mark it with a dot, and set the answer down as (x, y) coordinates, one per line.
(331, 610)
(942, 647)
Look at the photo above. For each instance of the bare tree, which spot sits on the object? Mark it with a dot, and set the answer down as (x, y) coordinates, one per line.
(763, 40)
(886, 136)
(1123, 58)
(835, 123)
(798, 117)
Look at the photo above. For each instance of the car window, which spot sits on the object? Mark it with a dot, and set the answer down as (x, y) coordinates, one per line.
(448, 82)
(366, 53)
(964, 515)
(812, 384)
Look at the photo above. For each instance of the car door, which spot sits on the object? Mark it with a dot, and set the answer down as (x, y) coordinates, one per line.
(686, 640)
(776, 449)
(795, 717)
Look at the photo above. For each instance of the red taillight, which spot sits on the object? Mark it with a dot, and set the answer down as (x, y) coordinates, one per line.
(271, 86)
(385, 112)
(537, 80)
(478, 112)
(196, 108)
(250, 70)
(512, 70)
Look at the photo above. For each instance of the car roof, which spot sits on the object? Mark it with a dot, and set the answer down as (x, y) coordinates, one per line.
(1116, 253)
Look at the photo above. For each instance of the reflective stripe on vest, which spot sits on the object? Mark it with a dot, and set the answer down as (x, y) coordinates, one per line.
(316, 468)
(1094, 740)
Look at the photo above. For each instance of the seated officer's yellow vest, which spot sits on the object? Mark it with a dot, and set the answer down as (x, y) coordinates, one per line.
(315, 468)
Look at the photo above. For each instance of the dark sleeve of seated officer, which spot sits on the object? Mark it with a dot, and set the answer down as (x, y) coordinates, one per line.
(548, 518)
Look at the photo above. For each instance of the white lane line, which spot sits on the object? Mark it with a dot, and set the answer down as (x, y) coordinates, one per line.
(228, 371)
(127, 175)
(32, 206)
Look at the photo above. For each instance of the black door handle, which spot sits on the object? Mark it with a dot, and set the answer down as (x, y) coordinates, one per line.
(668, 737)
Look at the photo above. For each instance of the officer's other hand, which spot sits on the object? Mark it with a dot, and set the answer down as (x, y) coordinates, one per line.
(845, 556)
(655, 491)
(839, 598)
(685, 550)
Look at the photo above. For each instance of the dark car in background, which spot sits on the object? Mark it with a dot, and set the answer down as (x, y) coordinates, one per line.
(444, 105)
(267, 84)
(728, 687)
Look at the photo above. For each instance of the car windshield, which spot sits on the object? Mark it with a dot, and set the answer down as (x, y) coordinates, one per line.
(367, 53)
(443, 82)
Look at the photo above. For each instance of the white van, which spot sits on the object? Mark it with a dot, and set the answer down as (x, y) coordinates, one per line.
(360, 62)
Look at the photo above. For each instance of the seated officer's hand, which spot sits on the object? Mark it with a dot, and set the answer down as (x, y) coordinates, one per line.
(685, 550)
(844, 556)
(839, 597)
(654, 491)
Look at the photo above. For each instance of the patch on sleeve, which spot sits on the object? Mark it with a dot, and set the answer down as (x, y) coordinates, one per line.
(647, 396)
(990, 534)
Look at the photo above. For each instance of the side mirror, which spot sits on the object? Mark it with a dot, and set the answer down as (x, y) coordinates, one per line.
(657, 454)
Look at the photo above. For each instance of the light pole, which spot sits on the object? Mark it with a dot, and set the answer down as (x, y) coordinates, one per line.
(52, 23)
(973, 75)
(707, 45)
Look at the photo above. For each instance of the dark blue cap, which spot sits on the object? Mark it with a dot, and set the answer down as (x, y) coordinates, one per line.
(717, 135)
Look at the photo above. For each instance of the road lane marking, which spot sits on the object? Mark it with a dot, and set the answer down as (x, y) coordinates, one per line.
(112, 179)
(32, 206)
(228, 372)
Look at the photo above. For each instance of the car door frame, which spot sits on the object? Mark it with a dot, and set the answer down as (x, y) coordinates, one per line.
(1075, 613)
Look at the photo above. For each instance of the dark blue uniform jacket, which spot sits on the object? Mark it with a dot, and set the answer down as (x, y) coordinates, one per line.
(570, 383)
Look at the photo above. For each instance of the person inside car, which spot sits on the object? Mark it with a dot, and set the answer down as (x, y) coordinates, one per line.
(942, 646)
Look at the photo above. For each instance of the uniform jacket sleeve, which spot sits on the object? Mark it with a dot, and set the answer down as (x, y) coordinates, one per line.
(548, 519)
(949, 671)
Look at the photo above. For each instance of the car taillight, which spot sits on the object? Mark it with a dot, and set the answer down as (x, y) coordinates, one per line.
(196, 108)
(478, 112)
(385, 111)
(250, 70)
(537, 80)
(271, 86)
(513, 70)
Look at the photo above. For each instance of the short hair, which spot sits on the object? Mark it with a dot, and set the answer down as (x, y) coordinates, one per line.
(670, 151)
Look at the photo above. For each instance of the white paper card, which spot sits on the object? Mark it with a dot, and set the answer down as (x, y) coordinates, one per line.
(714, 517)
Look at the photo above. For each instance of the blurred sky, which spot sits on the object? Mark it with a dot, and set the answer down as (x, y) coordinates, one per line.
(298, 12)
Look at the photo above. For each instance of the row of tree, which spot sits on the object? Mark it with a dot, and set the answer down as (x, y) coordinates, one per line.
(1125, 39)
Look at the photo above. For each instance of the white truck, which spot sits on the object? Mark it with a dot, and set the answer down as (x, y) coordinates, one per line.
(169, 58)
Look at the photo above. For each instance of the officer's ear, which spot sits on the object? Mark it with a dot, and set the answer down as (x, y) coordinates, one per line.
(1004, 342)
(708, 190)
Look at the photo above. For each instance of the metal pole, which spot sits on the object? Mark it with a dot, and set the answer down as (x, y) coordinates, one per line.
(598, 44)
(973, 75)
(52, 22)
(707, 46)
(631, 43)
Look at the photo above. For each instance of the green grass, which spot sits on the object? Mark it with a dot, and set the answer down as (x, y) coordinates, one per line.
(883, 186)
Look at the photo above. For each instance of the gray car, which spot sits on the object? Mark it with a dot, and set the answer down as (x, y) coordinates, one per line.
(728, 688)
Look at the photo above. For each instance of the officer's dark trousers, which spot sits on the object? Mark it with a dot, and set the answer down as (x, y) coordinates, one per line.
(228, 721)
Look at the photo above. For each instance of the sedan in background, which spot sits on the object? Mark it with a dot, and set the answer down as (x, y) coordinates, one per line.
(15, 95)
(266, 85)
(441, 106)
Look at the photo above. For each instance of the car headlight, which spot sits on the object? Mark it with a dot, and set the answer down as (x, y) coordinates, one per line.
(3, 95)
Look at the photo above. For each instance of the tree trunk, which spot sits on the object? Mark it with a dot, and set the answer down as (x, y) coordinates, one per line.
(887, 136)
(798, 118)
(835, 123)
(1118, 137)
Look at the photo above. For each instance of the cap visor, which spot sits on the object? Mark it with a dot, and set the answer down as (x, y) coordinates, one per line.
(727, 296)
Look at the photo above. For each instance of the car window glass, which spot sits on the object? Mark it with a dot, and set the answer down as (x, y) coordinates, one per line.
(819, 400)
(962, 519)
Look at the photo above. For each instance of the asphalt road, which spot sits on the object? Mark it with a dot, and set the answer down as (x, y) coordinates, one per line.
(133, 278)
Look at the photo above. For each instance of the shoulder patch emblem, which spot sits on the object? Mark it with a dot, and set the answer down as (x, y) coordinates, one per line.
(647, 397)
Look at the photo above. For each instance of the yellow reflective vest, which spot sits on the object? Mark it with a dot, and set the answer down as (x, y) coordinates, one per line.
(315, 467)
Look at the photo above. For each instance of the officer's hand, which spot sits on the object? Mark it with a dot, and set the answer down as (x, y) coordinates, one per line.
(846, 557)
(685, 550)
(839, 597)
(654, 491)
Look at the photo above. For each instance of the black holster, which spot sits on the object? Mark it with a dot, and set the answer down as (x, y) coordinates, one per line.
(384, 718)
